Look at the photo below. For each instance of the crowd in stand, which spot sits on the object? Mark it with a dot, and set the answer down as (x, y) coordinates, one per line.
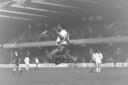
(93, 30)
(110, 52)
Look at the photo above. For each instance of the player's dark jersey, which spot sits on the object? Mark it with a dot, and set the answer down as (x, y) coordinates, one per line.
(17, 60)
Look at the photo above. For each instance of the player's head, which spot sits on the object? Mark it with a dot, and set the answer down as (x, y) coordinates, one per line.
(98, 51)
(60, 27)
(27, 57)
(91, 51)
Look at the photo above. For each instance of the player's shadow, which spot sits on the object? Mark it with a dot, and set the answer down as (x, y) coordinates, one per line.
(57, 59)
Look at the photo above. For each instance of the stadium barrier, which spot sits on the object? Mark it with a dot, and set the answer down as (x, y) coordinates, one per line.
(75, 42)
(122, 65)
(46, 65)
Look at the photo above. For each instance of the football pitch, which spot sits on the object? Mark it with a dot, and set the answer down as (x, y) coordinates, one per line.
(64, 76)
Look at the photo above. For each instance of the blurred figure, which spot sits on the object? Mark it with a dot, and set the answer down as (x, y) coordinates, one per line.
(37, 63)
(114, 61)
(16, 63)
(27, 62)
(97, 58)
(42, 35)
(62, 41)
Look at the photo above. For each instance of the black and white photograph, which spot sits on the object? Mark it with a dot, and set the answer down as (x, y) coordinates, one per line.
(63, 42)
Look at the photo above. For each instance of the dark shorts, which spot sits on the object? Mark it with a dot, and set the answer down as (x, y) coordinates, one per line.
(61, 50)
(17, 64)
(59, 59)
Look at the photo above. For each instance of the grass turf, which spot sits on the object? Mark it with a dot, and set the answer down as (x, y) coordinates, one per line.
(65, 76)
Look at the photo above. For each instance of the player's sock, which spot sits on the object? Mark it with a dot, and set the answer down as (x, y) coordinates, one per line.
(27, 68)
(14, 70)
(37, 67)
(20, 69)
(97, 69)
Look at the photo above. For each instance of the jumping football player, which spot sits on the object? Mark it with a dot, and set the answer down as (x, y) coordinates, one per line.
(61, 42)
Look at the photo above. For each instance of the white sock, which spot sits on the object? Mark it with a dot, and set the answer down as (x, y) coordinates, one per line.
(27, 68)
(99, 69)
(19, 69)
(96, 69)
(14, 69)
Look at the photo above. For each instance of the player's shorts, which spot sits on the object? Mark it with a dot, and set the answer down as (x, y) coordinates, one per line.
(27, 63)
(98, 61)
(36, 63)
(17, 64)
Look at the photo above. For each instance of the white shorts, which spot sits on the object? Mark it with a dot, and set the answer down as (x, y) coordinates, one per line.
(26, 63)
(98, 61)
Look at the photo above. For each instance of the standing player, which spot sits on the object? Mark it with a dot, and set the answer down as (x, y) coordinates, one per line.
(16, 63)
(99, 61)
(26, 61)
(61, 42)
(37, 63)
(114, 61)
(97, 58)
